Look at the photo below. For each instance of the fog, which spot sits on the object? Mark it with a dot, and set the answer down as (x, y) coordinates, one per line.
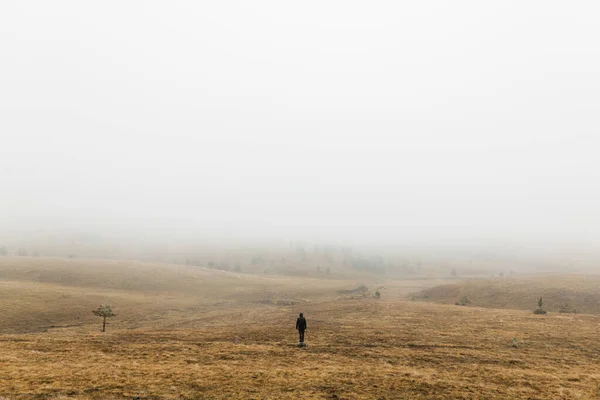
(443, 123)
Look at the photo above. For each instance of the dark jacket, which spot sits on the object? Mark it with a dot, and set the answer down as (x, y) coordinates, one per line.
(301, 324)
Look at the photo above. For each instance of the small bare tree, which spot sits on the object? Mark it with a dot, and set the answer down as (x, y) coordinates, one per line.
(540, 307)
(104, 312)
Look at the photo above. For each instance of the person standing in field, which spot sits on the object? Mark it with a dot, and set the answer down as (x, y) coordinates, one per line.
(301, 327)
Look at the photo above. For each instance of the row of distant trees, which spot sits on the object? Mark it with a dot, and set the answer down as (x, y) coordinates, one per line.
(454, 272)
(327, 270)
(375, 264)
(223, 266)
(324, 256)
(20, 252)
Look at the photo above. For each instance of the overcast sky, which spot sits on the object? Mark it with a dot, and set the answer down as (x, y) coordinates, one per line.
(338, 120)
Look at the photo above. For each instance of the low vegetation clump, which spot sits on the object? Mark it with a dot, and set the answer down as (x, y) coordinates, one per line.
(463, 301)
(566, 308)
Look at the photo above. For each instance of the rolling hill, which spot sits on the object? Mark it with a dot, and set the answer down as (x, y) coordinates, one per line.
(185, 332)
(577, 292)
(37, 294)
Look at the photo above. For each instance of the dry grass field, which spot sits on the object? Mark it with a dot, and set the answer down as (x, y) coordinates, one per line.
(580, 292)
(37, 294)
(175, 333)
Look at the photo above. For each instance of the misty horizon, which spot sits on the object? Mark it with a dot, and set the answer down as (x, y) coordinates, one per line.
(436, 124)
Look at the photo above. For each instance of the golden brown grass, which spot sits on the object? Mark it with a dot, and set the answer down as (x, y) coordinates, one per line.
(581, 292)
(166, 344)
(37, 294)
(357, 349)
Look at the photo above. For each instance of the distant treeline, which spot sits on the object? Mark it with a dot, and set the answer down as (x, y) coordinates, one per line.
(22, 252)
(375, 264)
(223, 265)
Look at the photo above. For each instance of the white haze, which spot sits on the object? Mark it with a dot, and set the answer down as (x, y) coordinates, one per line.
(375, 122)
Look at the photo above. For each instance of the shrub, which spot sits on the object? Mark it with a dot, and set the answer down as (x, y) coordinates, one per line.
(377, 294)
(363, 289)
(566, 308)
(463, 301)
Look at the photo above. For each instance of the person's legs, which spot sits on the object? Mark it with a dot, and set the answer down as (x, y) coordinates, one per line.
(301, 336)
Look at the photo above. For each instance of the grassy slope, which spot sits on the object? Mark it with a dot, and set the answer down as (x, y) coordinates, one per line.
(582, 292)
(357, 349)
(174, 339)
(37, 293)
